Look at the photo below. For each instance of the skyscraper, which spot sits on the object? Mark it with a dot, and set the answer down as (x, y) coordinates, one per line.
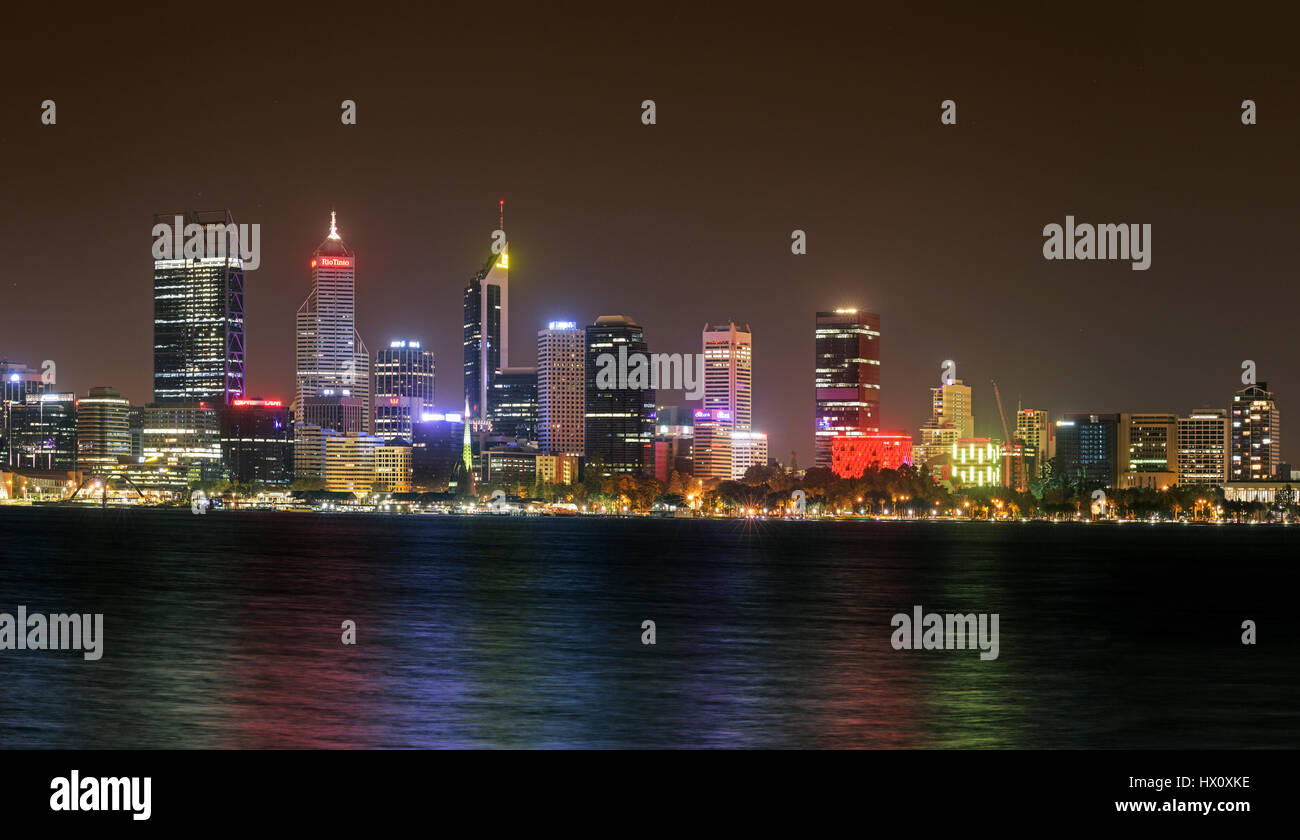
(1033, 428)
(103, 430)
(487, 331)
(513, 403)
(729, 374)
(257, 442)
(43, 432)
(561, 388)
(847, 360)
(17, 381)
(404, 388)
(1086, 448)
(619, 420)
(1147, 450)
(951, 403)
(330, 353)
(198, 318)
(1256, 435)
(1204, 440)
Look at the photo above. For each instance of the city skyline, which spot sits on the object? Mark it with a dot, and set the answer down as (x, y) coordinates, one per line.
(494, 271)
(689, 220)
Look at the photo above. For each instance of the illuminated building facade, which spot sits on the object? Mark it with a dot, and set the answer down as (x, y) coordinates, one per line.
(1256, 435)
(557, 469)
(510, 466)
(847, 379)
(331, 357)
(729, 373)
(1086, 449)
(43, 432)
(1147, 451)
(711, 447)
(853, 453)
(103, 430)
(1204, 440)
(486, 332)
(1033, 427)
(257, 442)
(951, 405)
(748, 449)
(976, 462)
(514, 404)
(350, 462)
(198, 319)
(17, 381)
(184, 439)
(561, 389)
(404, 380)
(393, 467)
(618, 422)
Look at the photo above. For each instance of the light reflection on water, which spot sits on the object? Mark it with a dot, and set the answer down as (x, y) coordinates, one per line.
(223, 631)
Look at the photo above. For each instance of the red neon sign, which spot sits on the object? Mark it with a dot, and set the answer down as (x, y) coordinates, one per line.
(334, 262)
(267, 403)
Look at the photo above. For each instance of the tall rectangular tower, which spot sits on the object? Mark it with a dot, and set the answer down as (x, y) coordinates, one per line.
(404, 378)
(847, 380)
(1256, 435)
(332, 361)
(198, 316)
(728, 374)
(561, 379)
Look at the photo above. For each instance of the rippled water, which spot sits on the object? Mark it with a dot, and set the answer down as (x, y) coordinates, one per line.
(223, 631)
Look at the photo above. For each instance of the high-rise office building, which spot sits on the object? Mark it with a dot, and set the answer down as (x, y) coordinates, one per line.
(748, 449)
(847, 376)
(1256, 435)
(711, 446)
(436, 452)
(486, 331)
(1086, 448)
(198, 318)
(1204, 439)
(185, 439)
(1147, 451)
(404, 377)
(951, 403)
(17, 381)
(257, 442)
(729, 373)
(619, 421)
(103, 430)
(561, 388)
(331, 357)
(43, 432)
(1033, 427)
(513, 404)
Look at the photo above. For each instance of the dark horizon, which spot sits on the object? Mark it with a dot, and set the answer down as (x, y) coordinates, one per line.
(827, 123)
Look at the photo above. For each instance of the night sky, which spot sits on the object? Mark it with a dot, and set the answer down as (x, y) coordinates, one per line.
(825, 120)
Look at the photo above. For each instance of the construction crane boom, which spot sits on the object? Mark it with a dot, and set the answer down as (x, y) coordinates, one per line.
(997, 395)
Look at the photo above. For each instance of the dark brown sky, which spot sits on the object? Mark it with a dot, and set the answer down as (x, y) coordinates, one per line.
(819, 118)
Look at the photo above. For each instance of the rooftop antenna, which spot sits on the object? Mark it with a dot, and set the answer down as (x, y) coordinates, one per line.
(334, 229)
(502, 221)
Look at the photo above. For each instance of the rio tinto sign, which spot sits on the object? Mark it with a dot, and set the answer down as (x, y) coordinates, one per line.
(332, 262)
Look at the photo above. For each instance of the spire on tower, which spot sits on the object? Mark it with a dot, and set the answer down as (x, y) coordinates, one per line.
(502, 221)
(334, 229)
